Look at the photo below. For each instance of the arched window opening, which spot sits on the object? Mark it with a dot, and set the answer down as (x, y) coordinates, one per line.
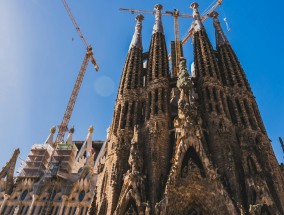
(4, 210)
(131, 208)
(257, 140)
(258, 117)
(240, 112)
(251, 166)
(191, 164)
(141, 113)
(163, 100)
(264, 210)
(156, 109)
(123, 120)
(149, 105)
(11, 209)
(208, 93)
(70, 210)
(81, 195)
(224, 104)
(194, 211)
(132, 110)
(24, 195)
(250, 115)
(117, 117)
(253, 197)
(215, 95)
(52, 208)
(231, 110)
(53, 194)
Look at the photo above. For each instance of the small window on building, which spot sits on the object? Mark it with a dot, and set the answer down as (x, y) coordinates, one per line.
(24, 195)
(82, 195)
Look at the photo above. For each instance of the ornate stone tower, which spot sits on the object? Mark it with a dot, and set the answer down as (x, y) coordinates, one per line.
(257, 170)
(138, 144)
(129, 111)
(187, 144)
(184, 144)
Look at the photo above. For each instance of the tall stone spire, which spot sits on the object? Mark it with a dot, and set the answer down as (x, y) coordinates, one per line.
(70, 136)
(158, 27)
(129, 112)
(158, 57)
(132, 72)
(205, 59)
(198, 25)
(250, 139)
(137, 37)
(157, 112)
(49, 139)
(211, 97)
(220, 36)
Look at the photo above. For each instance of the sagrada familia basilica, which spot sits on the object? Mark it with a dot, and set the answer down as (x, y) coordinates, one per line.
(180, 143)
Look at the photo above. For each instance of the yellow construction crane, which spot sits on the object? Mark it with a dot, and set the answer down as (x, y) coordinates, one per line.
(205, 16)
(176, 15)
(63, 127)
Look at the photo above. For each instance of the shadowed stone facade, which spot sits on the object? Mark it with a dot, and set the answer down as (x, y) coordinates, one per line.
(185, 144)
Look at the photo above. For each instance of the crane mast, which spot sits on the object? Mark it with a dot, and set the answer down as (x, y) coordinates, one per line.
(63, 127)
(67, 115)
(177, 41)
(176, 15)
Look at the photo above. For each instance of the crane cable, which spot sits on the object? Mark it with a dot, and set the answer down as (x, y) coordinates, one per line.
(75, 24)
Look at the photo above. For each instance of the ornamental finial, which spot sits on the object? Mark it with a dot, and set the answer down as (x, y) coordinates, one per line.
(53, 130)
(158, 27)
(137, 37)
(91, 129)
(72, 130)
(198, 25)
(194, 6)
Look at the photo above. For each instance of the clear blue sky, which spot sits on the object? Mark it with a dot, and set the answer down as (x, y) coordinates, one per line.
(39, 62)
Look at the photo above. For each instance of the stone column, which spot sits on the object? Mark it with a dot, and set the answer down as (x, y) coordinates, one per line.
(6, 198)
(35, 197)
(64, 198)
(77, 210)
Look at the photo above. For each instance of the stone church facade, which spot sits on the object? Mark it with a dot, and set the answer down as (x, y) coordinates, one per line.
(184, 144)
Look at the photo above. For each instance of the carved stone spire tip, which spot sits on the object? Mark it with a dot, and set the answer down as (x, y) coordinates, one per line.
(198, 25)
(72, 130)
(214, 14)
(139, 18)
(137, 37)
(194, 5)
(220, 35)
(91, 129)
(53, 130)
(158, 27)
(158, 7)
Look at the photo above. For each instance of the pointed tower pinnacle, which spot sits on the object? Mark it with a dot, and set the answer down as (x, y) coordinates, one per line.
(158, 27)
(70, 135)
(220, 36)
(137, 37)
(49, 139)
(132, 72)
(198, 25)
(89, 141)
